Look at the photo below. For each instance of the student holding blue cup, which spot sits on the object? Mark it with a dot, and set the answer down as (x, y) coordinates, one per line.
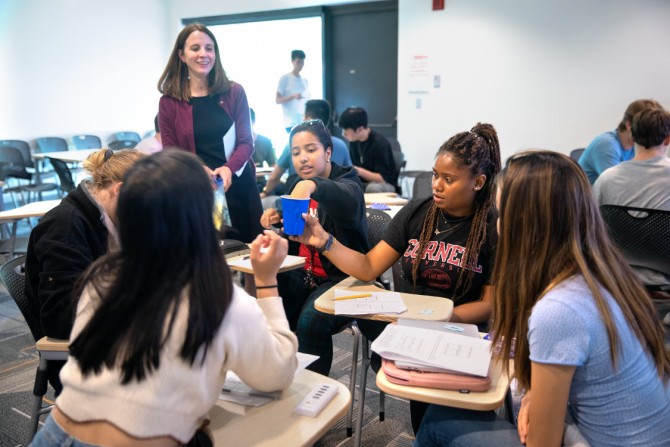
(334, 195)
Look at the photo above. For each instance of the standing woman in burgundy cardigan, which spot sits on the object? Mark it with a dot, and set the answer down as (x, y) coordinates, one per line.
(205, 113)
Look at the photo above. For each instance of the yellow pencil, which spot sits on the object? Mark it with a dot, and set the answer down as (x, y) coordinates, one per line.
(353, 297)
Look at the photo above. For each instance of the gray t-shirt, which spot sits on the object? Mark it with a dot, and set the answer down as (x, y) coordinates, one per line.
(627, 405)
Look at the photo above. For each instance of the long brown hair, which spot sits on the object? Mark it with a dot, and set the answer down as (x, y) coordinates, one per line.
(174, 80)
(479, 150)
(550, 228)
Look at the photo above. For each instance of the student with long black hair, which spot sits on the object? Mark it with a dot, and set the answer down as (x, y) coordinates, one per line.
(160, 323)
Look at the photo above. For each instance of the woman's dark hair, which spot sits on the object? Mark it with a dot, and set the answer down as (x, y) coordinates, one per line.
(650, 127)
(169, 257)
(353, 118)
(478, 150)
(174, 80)
(316, 128)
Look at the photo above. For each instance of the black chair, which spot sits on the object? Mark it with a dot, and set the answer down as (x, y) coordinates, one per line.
(13, 166)
(423, 185)
(64, 175)
(130, 136)
(643, 235)
(23, 147)
(86, 142)
(122, 144)
(576, 153)
(398, 160)
(45, 145)
(13, 278)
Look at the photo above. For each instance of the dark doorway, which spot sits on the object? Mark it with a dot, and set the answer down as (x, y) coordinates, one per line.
(361, 56)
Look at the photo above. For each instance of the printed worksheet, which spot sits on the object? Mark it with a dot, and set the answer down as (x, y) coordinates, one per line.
(455, 352)
(348, 302)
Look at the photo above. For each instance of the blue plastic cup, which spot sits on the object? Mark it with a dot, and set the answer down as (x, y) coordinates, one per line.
(293, 208)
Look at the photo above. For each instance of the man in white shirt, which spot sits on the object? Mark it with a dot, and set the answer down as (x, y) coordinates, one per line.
(293, 91)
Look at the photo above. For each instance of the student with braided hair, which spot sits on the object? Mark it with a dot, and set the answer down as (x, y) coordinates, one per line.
(446, 243)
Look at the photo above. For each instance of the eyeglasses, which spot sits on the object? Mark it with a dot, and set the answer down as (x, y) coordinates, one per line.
(307, 124)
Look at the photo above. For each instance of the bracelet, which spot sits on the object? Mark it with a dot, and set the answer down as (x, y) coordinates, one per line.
(266, 287)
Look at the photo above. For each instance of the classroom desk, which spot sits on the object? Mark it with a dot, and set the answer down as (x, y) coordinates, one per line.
(275, 424)
(77, 156)
(481, 401)
(388, 198)
(33, 209)
(419, 307)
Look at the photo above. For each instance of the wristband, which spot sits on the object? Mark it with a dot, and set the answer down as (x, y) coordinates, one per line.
(328, 245)
(266, 287)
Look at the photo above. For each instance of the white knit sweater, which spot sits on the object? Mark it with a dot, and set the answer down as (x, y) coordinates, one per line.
(254, 341)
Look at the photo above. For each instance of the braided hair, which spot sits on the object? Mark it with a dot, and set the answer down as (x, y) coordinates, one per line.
(479, 150)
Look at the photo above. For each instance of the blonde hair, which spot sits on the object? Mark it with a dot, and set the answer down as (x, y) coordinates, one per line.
(107, 166)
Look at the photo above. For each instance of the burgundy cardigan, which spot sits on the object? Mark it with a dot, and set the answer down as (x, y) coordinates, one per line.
(175, 121)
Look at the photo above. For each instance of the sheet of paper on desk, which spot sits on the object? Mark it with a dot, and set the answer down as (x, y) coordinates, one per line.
(459, 353)
(378, 303)
(234, 390)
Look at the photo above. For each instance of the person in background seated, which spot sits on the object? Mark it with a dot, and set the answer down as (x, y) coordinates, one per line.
(264, 152)
(160, 322)
(586, 340)
(445, 243)
(611, 148)
(644, 181)
(371, 152)
(315, 109)
(293, 91)
(205, 113)
(337, 202)
(69, 238)
(152, 144)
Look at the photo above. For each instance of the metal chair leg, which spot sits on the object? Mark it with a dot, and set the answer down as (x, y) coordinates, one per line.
(39, 390)
(365, 364)
(382, 398)
(356, 333)
(509, 407)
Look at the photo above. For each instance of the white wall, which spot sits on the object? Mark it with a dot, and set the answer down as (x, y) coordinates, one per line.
(546, 74)
(78, 66)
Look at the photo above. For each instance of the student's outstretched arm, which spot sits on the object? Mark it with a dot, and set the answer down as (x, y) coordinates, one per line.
(364, 267)
(475, 311)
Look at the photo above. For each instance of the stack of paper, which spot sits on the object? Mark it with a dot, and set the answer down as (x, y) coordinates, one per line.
(348, 302)
(433, 348)
(234, 390)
